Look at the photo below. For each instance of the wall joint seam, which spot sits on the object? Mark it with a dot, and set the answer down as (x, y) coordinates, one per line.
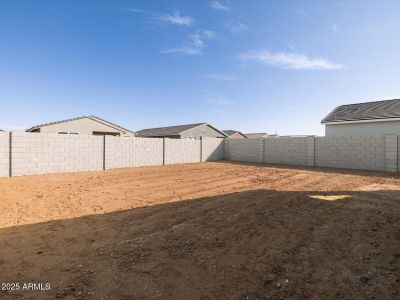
(201, 149)
(104, 152)
(10, 154)
(163, 155)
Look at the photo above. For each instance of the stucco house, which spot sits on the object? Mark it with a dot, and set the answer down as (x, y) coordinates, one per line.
(188, 131)
(89, 125)
(369, 118)
(234, 134)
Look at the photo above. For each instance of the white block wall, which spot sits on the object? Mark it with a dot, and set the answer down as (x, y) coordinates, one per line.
(4, 154)
(248, 150)
(35, 153)
(181, 151)
(351, 152)
(287, 150)
(212, 149)
(124, 152)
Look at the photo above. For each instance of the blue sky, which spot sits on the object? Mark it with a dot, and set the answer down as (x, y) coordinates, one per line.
(254, 66)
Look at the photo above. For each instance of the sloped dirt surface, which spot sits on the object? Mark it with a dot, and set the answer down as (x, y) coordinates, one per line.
(202, 231)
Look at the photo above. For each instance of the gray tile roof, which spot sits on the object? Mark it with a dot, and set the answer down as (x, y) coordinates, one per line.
(78, 118)
(385, 109)
(167, 131)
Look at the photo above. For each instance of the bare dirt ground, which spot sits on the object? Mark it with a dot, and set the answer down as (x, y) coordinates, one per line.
(202, 231)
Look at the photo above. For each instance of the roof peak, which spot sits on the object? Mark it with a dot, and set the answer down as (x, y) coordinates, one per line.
(98, 119)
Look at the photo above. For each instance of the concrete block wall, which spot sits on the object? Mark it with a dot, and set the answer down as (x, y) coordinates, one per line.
(35, 153)
(124, 152)
(179, 151)
(38, 153)
(351, 152)
(287, 150)
(247, 150)
(212, 149)
(378, 153)
(4, 154)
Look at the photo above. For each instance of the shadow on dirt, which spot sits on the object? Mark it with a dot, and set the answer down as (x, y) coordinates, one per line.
(259, 244)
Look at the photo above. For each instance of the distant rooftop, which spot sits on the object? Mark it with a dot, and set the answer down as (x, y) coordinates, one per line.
(167, 131)
(230, 132)
(78, 118)
(386, 109)
(256, 135)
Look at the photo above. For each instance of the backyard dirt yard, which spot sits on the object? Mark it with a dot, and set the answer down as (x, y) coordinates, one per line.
(201, 231)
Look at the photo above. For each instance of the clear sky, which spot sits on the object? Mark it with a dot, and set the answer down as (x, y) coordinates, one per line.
(254, 66)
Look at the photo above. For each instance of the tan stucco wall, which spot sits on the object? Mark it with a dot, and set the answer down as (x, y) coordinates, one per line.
(363, 129)
(205, 131)
(81, 126)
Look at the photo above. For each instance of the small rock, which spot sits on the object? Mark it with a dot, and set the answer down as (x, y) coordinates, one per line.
(364, 279)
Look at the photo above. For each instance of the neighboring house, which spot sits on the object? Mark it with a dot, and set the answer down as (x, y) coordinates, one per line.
(189, 131)
(257, 135)
(234, 134)
(89, 125)
(297, 135)
(369, 118)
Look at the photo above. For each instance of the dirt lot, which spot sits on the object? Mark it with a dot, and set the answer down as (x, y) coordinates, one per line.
(202, 231)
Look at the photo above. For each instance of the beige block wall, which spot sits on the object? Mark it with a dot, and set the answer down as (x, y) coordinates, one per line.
(212, 149)
(36, 153)
(124, 152)
(4, 154)
(379, 153)
(182, 151)
(351, 152)
(287, 150)
(247, 150)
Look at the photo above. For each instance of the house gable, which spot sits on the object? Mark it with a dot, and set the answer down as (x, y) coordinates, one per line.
(204, 130)
(82, 125)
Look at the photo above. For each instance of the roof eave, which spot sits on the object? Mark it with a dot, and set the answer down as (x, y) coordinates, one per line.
(359, 121)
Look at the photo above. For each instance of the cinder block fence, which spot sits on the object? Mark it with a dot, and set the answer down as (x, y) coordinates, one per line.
(377, 153)
(34, 153)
